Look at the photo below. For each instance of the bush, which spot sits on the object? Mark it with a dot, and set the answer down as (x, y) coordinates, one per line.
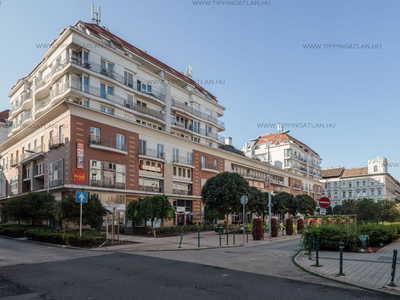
(258, 233)
(289, 226)
(300, 225)
(384, 234)
(176, 230)
(274, 227)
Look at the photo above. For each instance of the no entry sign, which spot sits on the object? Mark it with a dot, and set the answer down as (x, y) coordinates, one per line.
(324, 202)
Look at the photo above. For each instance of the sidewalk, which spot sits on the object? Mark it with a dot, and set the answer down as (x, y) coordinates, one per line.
(367, 270)
(208, 240)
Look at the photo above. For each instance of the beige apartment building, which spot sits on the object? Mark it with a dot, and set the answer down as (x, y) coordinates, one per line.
(100, 115)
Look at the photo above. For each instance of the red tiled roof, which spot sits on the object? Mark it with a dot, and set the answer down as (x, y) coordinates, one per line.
(355, 172)
(120, 43)
(336, 172)
(281, 138)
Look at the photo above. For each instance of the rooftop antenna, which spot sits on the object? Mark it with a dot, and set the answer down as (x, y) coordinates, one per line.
(96, 16)
(189, 71)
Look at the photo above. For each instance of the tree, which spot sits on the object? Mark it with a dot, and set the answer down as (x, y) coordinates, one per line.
(211, 214)
(151, 208)
(337, 210)
(305, 204)
(257, 201)
(349, 206)
(388, 211)
(367, 210)
(92, 211)
(14, 209)
(283, 203)
(329, 210)
(222, 193)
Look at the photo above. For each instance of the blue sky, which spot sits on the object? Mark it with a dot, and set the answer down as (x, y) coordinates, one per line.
(255, 55)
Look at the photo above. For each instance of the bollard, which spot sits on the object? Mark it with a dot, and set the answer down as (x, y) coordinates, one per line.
(247, 237)
(227, 235)
(234, 237)
(220, 232)
(393, 268)
(198, 238)
(309, 247)
(341, 260)
(180, 242)
(316, 255)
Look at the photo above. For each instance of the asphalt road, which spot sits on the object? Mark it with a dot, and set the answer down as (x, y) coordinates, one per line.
(34, 271)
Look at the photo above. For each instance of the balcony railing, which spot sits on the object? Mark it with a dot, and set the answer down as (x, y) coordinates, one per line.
(21, 101)
(107, 184)
(107, 142)
(209, 166)
(296, 186)
(38, 150)
(182, 192)
(181, 160)
(149, 111)
(58, 67)
(23, 117)
(154, 189)
(277, 181)
(196, 112)
(295, 156)
(201, 131)
(252, 175)
(151, 152)
(112, 74)
(56, 141)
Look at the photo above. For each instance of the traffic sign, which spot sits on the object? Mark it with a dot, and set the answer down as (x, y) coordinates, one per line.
(324, 202)
(244, 199)
(81, 197)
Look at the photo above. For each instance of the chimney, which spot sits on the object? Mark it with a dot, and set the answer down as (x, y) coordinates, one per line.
(228, 141)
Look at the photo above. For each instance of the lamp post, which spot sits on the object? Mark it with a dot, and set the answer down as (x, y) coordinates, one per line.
(269, 182)
(48, 168)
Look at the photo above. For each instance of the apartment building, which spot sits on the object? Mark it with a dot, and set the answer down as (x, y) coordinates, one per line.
(100, 115)
(373, 182)
(290, 155)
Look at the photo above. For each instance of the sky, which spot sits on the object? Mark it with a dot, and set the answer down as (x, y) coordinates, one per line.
(342, 100)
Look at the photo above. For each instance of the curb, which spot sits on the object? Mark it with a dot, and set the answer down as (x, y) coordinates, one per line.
(380, 290)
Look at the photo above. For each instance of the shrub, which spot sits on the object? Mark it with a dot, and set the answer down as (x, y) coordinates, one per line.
(329, 221)
(176, 230)
(338, 220)
(258, 233)
(289, 226)
(300, 225)
(310, 222)
(274, 227)
(378, 233)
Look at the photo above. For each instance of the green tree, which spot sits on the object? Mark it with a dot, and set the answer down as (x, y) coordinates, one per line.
(283, 203)
(92, 211)
(211, 214)
(367, 210)
(305, 204)
(349, 206)
(388, 211)
(15, 209)
(329, 210)
(337, 210)
(151, 209)
(222, 193)
(257, 201)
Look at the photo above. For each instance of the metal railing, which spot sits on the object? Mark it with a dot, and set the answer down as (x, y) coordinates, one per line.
(151, 152)
(154, 189)
(209, 166)
(37, 150)
(107, 184)
(181, 160)
(58, 67)
(149, 111)
(106, 142)
(182, 192)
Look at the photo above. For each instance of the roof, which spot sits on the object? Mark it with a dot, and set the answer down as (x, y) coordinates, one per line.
(282, 138)
(96, 30)
(355, 172)
(336, 172)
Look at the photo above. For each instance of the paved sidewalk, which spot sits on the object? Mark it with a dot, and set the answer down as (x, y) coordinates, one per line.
(368, 270)
(208, 240)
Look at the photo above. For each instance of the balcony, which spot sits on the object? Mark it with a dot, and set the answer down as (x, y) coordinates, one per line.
(200, 131)
(27, 156)
(58, 67)
(182, 192)
(210, 167)
(107, 144)
(56, 182)
(296, 186)
(298, 167)
(24, 117)
(56, 141)
(197, 113)
(152, 188)
(149, 111)
(181, 160)
(115, 76)
(107, 184)
(251, 175)
(26, 98)
(152, 153)
(40, 105)
(297, 157)
(275, 181)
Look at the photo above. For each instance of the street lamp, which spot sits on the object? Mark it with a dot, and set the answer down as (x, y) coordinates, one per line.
(48, 168)
(269, 182)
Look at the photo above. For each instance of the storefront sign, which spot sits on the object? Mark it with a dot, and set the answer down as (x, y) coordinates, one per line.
(79, 176)
(79, 155)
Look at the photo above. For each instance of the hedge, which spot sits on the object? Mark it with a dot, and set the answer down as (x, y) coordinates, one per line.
(274, 227)
(175, 230)
(258, 232)
(289, 226)
(62, 238)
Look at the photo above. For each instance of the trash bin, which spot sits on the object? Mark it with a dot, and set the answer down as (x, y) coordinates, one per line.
(364, 239)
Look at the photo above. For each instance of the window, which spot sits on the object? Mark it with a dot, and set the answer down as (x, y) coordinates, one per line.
(14, 185)
(363, 182)
(128, 79)
(364, 193)
(196, 126)
(120, 141)
(335, 184)
(85, 84)
(208, 143)
(107, 110)
(208, 130)
(61, 134)
(142, 147)
(56, 173)
(379, 192)
(350, 194)
(358, 184)
(189, 158)
(106, 90)
(160, 151)
(358, 193)
(344, 194)
(215, 164)
(17, 156)
(150, 185)
(175, 155)
(106, 68)
(174, 173)
(372, 192)
(40, 169)
(95, 134)
(203, 161)
(196, 139)
(85, 102)
(375, 168)
(107, 175)
(349, 184)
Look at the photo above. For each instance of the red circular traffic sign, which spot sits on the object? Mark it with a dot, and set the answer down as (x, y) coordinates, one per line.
(324, 202)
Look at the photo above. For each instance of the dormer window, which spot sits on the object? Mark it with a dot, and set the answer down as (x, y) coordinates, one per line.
(375, 168)
(277, 143)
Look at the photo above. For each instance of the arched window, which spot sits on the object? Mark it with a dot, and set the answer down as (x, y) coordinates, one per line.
(375, 168)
